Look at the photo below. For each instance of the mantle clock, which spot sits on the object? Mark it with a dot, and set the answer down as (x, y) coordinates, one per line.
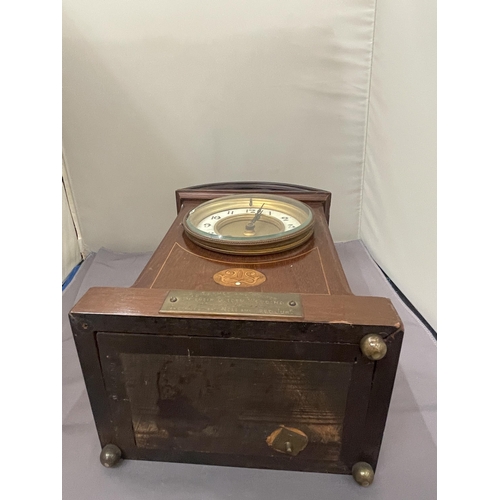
(241, 343)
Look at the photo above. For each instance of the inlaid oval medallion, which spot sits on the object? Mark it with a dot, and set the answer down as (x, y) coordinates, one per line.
(239, 277)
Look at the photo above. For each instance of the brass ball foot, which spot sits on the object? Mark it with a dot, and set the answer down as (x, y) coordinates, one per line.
(110, 455)
(363, 474)
(373, 347)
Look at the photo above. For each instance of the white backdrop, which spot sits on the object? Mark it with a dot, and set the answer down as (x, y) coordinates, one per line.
(398, 223)
(161, 95)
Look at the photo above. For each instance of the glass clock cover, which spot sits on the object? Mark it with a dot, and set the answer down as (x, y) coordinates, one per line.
(250, 224)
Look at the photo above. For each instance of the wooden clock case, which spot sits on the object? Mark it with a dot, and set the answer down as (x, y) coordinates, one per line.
(236, 390)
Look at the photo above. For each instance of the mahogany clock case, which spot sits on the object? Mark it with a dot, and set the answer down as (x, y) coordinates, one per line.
(284, 392)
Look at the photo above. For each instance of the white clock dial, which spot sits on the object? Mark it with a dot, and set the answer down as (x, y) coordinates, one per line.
(211, 223)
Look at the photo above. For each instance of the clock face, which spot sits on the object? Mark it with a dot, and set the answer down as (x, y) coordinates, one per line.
(250, 224)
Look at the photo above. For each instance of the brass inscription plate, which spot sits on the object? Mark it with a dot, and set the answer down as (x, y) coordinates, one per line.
(239, 277)
(233, 303)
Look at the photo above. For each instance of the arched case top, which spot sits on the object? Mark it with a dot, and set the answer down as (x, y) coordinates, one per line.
(214, 190)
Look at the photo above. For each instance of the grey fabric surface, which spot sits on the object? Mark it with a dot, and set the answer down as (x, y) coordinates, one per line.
(407, 463)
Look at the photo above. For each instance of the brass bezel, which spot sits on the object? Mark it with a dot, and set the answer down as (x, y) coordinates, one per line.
(251, 245)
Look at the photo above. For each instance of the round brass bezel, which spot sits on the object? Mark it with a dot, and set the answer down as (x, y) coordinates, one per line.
(251, 245)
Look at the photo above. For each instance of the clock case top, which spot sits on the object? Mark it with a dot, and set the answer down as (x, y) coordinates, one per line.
(107, 321)
(181, 264)
(313, 270)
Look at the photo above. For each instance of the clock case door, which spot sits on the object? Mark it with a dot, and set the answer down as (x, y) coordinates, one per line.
(217, 398)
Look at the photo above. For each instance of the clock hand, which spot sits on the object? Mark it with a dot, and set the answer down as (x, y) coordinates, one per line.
(251, 224)
(258, 214)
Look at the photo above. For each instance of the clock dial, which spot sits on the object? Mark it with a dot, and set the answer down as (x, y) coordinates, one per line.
(250, 224)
